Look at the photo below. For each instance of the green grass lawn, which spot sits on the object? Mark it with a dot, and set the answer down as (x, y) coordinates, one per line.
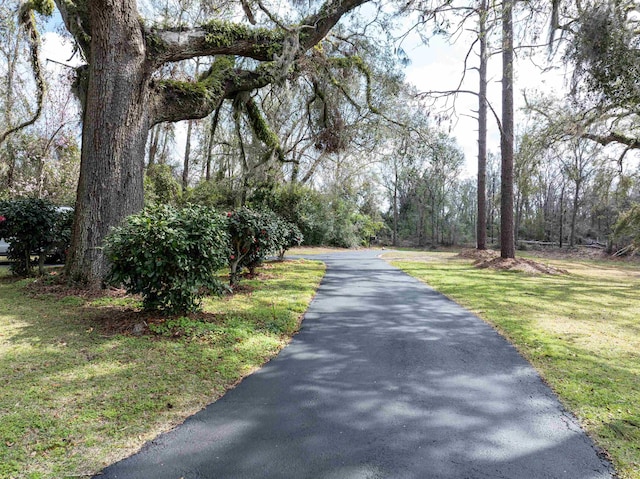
(580, 330)
(76, 395)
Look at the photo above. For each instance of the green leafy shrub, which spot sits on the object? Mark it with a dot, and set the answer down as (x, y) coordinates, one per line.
(29, 225)
(308, 209)
(288, 235)
(170, 256)
(254, 235)
(61, 235)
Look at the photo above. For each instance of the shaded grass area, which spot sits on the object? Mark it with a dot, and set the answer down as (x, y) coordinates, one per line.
(75, 397)
(580, 330)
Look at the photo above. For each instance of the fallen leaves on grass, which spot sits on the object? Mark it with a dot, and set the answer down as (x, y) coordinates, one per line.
(478, 254)
(491, 259)
(56, 286)
(519, 264)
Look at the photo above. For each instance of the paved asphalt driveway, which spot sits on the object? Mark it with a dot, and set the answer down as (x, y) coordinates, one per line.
(387, 379)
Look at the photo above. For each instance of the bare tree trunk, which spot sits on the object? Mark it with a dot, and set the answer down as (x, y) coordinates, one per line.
(548, 219)
(115, 127)
(153, 144)
(395, 203)
(420, 226)
(212, 134)
(434, 221)
(574, 214)
(166, 133)
(481, 232)
(507, 245)
(187, 148)
(561, 216)
(491, 207)
(519, 212)
(295, 171)
(187, 157)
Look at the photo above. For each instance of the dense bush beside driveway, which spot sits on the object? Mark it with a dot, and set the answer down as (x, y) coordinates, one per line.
(290, 235)
(171, 256)
(254, 235)
(34, 227)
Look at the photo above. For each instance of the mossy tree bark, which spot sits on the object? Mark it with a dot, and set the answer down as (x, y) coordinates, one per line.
(115, 125)
(122, 100)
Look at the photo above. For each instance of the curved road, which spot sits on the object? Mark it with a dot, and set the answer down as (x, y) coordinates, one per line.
(387, 379)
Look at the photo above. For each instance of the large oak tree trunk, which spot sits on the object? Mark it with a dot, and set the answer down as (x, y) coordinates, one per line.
(115, 127)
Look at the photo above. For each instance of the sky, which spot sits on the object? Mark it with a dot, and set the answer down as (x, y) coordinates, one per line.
(55, 47)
